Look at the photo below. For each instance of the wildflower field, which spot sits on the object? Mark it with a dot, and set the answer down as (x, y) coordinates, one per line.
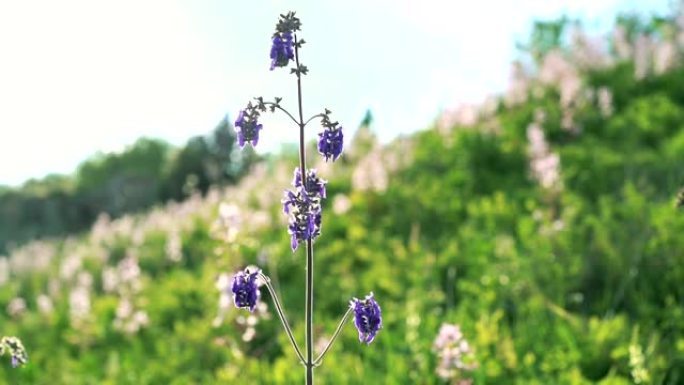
(536, 238)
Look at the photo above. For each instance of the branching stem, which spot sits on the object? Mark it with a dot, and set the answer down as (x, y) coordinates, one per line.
(313, 117)
(284, 110)
(343, 321)
(281, 315)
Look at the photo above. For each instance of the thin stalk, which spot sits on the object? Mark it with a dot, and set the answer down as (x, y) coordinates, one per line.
(309, 245)
(309, 313)
(284, 110)
(281, 315)
(312, 118)
(345, 317)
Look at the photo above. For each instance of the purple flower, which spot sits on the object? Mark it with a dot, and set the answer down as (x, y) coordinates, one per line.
(247, 129)
(282, 50)
(367, 317)
(290, 200)
(314, 184)
(303, 205)
(305, 217)
(330, 143)
(245, 290)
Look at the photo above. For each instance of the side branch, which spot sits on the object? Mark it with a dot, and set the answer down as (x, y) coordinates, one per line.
(313, 117)
(345, 317)
(281, 315)
(282, 109)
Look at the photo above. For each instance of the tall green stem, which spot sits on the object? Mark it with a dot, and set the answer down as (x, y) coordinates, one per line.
(309, 364)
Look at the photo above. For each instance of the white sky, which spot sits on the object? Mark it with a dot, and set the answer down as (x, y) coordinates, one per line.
(77, 77)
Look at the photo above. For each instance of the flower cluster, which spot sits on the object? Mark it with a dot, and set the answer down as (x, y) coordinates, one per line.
(303, 205)
(605, 101)
(228, 222)
(223, 285)
(680, 198)
(544, 163)
(16, 307)
(4, 270)
(129, 319)
(367, 317)
(15, 348)
(174, 246)
(125, 280)
(282, 48)
(45, 305)
(454, 353)
(331, 140)
(371, 173)
(245, 289)
(314, 186)
(79, 299)
(247, 126)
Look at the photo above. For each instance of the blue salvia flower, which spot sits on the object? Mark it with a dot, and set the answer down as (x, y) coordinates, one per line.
(245, 289)
(247, 128)
(330, 143)
(303, 205)
(315, 186)
(304, 227)
(367, 317)
(282, 50)
(331, 140)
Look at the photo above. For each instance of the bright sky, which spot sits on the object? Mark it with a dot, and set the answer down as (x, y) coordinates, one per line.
(77, 77)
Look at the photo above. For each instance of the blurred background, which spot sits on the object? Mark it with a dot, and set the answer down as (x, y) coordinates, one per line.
(508, 191)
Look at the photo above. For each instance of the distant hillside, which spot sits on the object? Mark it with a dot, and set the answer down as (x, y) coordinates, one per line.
(148, 172)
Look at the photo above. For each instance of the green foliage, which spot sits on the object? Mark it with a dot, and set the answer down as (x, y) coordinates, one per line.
(205, 161)
(128, 181)
(546, 35)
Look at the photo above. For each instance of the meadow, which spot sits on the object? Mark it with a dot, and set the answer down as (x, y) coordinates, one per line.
(533, 239)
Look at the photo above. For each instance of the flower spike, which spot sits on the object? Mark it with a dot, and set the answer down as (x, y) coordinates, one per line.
(245, 289)
(367, 318)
